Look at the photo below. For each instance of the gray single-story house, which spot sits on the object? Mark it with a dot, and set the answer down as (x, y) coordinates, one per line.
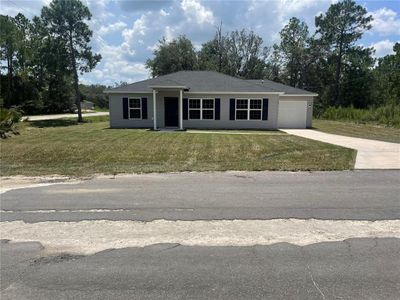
(207, 99)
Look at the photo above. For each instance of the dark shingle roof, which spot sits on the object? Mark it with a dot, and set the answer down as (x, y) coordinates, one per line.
(206, 81)
(287, 89)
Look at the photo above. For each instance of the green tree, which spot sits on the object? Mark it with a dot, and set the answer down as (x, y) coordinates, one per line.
(240, 54)
(246, 55)
(387, 78)
(292, 51)
(213, 55)
(10, 37)
(66, 20)
(357, 82)
(177, 55)
(343, 24)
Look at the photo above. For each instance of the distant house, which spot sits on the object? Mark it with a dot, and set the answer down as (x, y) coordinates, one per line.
(87, 105)
(206, 99)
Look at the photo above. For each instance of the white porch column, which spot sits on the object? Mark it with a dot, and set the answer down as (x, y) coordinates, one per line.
(154, 109)
(180, 109)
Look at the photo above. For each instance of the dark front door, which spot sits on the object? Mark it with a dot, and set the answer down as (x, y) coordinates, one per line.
(171, 111)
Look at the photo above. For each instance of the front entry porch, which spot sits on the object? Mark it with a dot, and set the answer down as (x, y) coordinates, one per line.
(173, 107)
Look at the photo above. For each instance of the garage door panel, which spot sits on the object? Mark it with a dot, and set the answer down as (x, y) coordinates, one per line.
(292, 114)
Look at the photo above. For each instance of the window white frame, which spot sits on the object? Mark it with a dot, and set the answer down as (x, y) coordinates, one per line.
(201, 108)
(248, 109)
(135, 108)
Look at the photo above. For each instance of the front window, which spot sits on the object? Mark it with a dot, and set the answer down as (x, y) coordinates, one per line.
(207, 109)
(248, 109)
(135, 108)
(201, 109)
(195, 109)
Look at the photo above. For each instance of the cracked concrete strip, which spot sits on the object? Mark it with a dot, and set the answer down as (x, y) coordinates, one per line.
(21, 182)
(88, 237)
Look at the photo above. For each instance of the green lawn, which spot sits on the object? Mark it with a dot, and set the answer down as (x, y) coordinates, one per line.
(62, 147)
(367, 131)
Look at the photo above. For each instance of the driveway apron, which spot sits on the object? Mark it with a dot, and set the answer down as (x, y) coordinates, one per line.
(371, 154)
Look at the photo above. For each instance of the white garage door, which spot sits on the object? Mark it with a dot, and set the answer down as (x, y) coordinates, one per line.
(292, 114)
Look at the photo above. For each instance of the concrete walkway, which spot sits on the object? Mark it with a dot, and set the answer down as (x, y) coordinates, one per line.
(62, 116)
(371, 154)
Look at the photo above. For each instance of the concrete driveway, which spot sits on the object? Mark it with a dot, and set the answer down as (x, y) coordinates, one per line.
(371, 154)
(62, 116)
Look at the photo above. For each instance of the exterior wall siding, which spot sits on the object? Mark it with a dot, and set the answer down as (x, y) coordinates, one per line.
(116, 114)
(117, 121)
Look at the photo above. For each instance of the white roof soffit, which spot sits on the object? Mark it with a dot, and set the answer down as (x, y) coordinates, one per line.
(299, 95)
(169, 87)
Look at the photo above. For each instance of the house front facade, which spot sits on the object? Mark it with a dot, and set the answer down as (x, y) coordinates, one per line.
(209, 100)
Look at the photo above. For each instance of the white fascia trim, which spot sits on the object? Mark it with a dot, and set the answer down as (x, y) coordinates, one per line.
(299, 95)
(126, 92)
(180, 87)
(235, 93)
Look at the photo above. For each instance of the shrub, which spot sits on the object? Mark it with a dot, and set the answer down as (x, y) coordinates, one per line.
(388, 115)
(8, 119)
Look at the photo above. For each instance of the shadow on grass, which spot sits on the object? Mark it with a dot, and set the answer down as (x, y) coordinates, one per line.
(67, 122)
(54, 123)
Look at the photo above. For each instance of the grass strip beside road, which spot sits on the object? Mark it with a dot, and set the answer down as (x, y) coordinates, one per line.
(65, 148)
(366, 131)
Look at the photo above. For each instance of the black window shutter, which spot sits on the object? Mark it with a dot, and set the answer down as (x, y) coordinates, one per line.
(232, 109)
(144, 108)
(265, 109)
(125, 110)
(217, 108)
(185, 108)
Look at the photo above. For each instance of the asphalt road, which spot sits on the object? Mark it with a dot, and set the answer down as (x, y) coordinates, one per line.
(361, 268)
(358, 195)
(352, 269)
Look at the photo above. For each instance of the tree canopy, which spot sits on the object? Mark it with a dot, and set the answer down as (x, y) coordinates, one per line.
(43, 57)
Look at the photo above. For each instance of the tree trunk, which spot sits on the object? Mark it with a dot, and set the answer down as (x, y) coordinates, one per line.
(76, 79)
(337, 75)
(7, 99)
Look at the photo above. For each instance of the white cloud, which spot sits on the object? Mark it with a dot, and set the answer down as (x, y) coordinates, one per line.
(169, 34)
(125, 51)
(268, 17)
(118, 26)
(383, 48)
(385, 22)
(138, 29)
(194, 10)
(163, 13)
(116, 65)
(27, 8)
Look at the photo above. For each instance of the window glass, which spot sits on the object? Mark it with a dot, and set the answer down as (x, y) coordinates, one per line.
(134, 113)
(241, 114)
(134, 103)
(255, 114)
(208, 103)
(194, 103)
(241, 103)
(208, 114)
(194, 114)
(255, 103)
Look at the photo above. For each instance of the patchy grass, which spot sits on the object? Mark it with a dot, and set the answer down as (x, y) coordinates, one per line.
(49, 147)
(366, 131)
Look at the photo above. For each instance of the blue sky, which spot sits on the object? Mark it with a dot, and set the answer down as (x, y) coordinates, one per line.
(127, 31)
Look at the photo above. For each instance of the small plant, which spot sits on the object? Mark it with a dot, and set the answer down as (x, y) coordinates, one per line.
(8, 120)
